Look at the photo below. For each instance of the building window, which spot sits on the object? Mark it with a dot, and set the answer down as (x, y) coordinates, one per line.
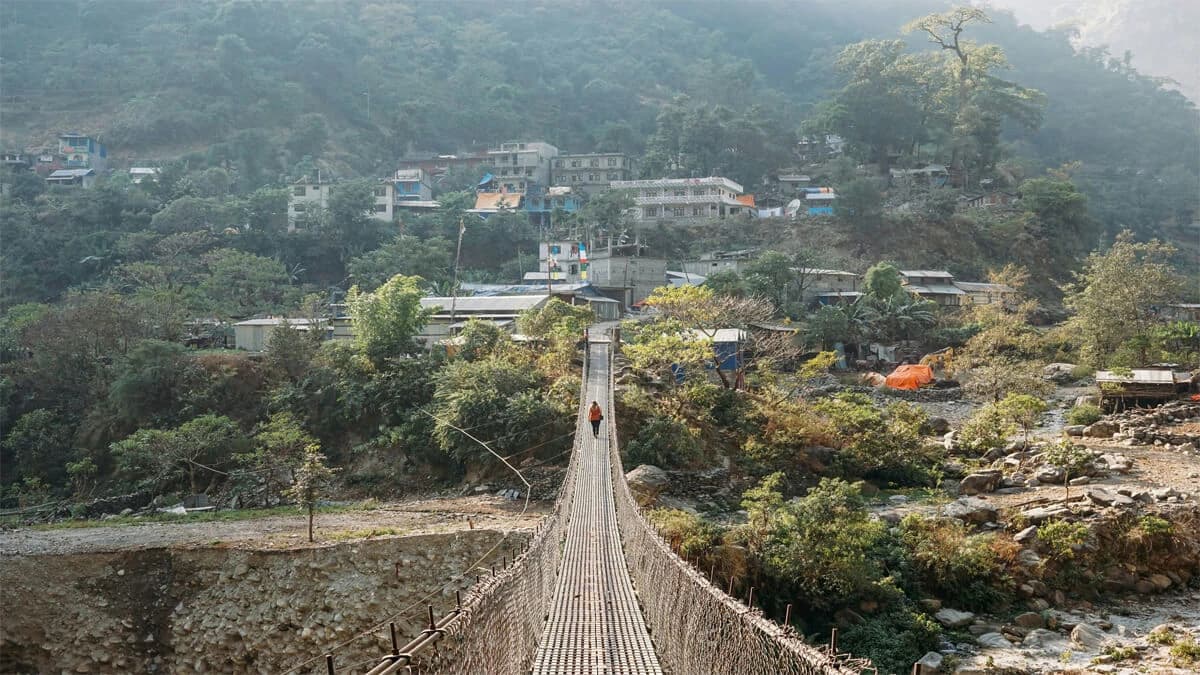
(650, 211)
(594, 163)
(574, 268)
(299, 208)
(529, 171)
(698, 192)
(591, 178)
(612, 161)
(503, 172)
(558, 163)
(697, 210)
(381, 192)
(678, 212)
(680, 193)
(381, 208)
(574, 178)
(613, 175)
(651, 193)
(298, 191)
(575, 164)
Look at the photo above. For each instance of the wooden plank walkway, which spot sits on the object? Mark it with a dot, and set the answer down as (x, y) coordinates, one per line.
(595, 623)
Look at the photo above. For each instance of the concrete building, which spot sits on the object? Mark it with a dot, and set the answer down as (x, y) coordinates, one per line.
(82, 152)
(624, 277)
(722, 261)
(15, 160)
(517, 165)
(307, 195)
(434, 166)
(682, 199)
(593, 172)
(542, 203)
(255, 335)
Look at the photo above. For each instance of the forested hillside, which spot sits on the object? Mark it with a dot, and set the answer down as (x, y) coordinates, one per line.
(257, 87)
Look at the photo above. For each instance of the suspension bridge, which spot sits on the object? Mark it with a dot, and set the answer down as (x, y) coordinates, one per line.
(597, 590)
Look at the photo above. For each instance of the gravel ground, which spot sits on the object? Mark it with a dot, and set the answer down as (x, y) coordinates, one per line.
(278, 532)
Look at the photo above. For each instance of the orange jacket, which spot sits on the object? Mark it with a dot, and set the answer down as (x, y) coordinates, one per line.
(595, 414)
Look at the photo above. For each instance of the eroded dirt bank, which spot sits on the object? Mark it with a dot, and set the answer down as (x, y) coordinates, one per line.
(221, 609)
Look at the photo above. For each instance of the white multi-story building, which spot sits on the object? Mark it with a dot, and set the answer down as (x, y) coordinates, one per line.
(685, 198)
(518, 165)
(307, 195)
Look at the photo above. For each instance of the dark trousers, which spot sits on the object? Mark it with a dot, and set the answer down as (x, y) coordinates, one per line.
(595, 427)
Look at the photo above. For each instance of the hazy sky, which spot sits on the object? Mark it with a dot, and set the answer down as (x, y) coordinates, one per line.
(1162, 34)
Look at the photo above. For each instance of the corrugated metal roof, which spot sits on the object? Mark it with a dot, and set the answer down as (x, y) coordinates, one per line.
(941, 274)
(1143, 376)
(487, 303)
(71, 173)
(745, 200)
(978, 286)
(814, 270)
(279, 321)
(935, 289)
(720, 334)
(820, 196)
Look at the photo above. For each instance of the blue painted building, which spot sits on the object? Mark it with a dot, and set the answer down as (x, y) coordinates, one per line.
(82, 152)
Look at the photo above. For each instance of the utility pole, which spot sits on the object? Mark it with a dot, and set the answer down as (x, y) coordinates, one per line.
(457, 256)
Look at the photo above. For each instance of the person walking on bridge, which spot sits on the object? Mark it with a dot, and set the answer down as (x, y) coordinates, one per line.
(595, 414)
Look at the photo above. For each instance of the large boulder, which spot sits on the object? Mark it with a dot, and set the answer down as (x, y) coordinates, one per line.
(646, 482)
(953, 618)
(970, 510)
(1088, 636)
(939, 426)
(979, 482)
(1059, 372)
(930, 663)
(1101, 429)
(993, 640)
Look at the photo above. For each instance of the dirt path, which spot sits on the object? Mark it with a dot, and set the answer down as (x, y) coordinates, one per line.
(280, 532)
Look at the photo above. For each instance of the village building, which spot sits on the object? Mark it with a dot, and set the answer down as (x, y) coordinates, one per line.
(577, 294)
(592, 173)
(987, 200)
(934, 285)
(931, 175)
(722, 261)
(254, 335)
(451, 314)
(619, 272)
(140, 174)
(84, 178)
(412, 189)
(306, 195)
(812, 149)
(1141, 385)
(518, 165)
(435, 166)
(980, 293)
(827, 283)
(15, 160)
(683, 199)
(80, 151)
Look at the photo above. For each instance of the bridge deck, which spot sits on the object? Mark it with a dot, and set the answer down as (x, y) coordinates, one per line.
(595, 624)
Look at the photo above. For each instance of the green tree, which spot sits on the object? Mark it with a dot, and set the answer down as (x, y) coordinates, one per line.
(162, 460)
(241, 284)
(1023, 410)
(38, 445)
(482, 339)
(882, 282)
(1069, 458)
(387, 320)
(1115, 298)
(727, 282)
(279, 448)
(312, 478)
(430, 259)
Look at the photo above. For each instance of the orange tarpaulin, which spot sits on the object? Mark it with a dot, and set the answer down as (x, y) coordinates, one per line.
(910, 376)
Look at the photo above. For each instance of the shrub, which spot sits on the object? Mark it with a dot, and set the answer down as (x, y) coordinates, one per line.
(1084, 414)
(818, 549)
(893, 639)
(969, 571)
(1185, 651)
(987, 429)
(1154, 526)
(664, 442)
(688, 534)
(1161, 637)
(1060, 538)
